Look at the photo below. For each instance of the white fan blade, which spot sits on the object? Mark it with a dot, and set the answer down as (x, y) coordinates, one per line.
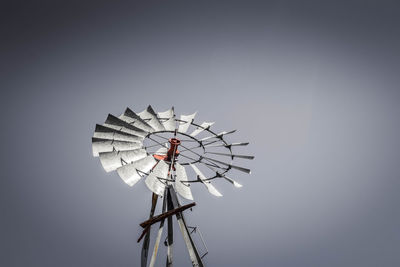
(235, 184)
(217, 135)
(202, 178)
(231, 155)
(203, 126)
(185, 122)
(181, 187)
(104, 145)
(166, 114)
(153, 182)
(133, 119)
(149, 116)
(167, 119)
(131, 173)
(112, 134)
(229, 165)
(118, 124)
(115, 159)
(228, 145)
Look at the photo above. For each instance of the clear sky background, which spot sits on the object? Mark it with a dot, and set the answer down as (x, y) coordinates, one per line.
(312, 85)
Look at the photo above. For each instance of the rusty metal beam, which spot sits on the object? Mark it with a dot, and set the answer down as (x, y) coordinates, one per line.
(164, 215)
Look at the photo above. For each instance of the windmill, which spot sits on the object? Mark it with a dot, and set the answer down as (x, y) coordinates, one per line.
(166, 151)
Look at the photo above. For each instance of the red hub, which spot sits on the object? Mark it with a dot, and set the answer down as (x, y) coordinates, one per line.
(172, 153)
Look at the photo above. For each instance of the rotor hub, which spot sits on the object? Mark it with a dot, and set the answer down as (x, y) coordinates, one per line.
(173, 152)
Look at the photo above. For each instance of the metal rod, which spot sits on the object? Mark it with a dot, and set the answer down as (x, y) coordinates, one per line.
(201, 157)
(146, 242)
(194, 255)
(167, 214)
(198, 146)
(151, 146)
(160, 230)
(204, 243)
(170, 239)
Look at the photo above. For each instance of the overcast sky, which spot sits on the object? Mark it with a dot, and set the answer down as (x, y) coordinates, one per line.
(312, 85)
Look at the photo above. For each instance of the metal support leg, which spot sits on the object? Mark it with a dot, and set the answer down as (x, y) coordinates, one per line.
(160, 230)
(146, 241)
(193, 253)
(170, 239)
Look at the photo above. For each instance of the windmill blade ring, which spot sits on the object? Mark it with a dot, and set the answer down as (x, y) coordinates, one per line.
(125, 144)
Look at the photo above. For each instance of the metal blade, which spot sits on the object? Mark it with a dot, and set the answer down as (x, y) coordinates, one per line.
(239, 144)
(181, 187)
(166, 114)
(185, 122)
(229, 165)
(104, 145)
(235, 184)
(131, 173)
(229, 145)
(232, 155)
(202, 127)
(202, 178)
(149, 116)
(132, 118)
(217, 135)
(124, 130)
(115, 159)
(153, 182)
(167, 119)
(112, 134)
(118, 124)
(221, 175)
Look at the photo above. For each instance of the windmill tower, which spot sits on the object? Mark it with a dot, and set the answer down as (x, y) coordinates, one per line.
(166, 150)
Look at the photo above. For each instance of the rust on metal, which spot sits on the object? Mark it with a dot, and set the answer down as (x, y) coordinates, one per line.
(164, 215)
(172, 153)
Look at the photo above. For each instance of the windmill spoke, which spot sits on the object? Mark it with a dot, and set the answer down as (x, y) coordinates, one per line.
(159, 136)
(153, 146)
(211, 142)
(197, 154)
(188, 140)
(213, 164)
(180, 155)
(226, 145)
(189, 148)
(156, 141)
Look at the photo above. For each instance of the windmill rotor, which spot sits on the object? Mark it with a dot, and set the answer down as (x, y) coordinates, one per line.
(169, 154)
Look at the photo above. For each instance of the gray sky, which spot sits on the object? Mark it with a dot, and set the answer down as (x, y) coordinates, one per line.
(314, 87)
